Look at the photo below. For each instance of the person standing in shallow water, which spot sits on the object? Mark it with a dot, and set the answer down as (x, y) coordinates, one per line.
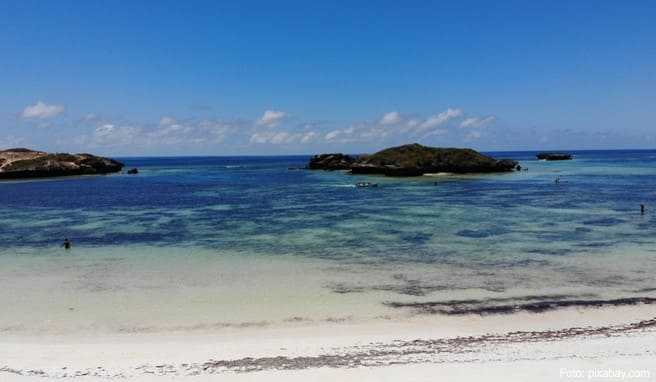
(642, 209)
(67, 244)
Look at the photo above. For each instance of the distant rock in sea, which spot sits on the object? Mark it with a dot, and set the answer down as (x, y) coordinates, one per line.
(24, 163)
(554, 156)
(331, 162)
(414, 160)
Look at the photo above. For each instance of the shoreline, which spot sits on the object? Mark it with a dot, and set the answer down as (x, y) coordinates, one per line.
(592, 336)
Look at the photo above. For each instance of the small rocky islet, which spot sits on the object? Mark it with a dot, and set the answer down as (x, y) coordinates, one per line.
(554, 156)
(414, 160)
(21, 163)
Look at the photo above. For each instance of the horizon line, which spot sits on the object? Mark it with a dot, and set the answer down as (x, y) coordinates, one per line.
(305, 155)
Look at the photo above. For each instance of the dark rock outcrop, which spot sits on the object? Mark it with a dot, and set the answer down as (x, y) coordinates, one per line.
(133, 171)
(331, 162)
(24, 163)
(554, 156)
(417, 160)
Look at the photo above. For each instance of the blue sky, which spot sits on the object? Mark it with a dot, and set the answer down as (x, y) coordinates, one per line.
(297, 77)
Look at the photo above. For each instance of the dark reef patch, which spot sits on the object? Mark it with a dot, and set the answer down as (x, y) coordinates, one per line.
(532, 304)
(482, 233)
(595, 244)
(416, 237)
(408, 287)
(507, 263)
(604, 222)
(549, 251)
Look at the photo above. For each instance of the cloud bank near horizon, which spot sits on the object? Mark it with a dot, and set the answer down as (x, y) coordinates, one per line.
(274, 132)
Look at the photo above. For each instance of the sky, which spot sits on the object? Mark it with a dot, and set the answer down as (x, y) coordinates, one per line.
(301, 77)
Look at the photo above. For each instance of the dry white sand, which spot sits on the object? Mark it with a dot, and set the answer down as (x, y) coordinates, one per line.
(518, 347)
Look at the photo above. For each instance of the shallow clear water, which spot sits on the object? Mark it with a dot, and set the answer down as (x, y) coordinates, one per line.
(213, 242)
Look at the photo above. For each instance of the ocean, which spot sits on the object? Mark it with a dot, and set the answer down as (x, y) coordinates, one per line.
(206, 243)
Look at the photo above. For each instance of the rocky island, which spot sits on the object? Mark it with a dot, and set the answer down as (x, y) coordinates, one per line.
(414, 160)
(331, 162)
(24, 163)
(554, 156)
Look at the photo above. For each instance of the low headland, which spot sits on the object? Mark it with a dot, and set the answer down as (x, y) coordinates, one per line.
(23, 163)
(414, 160)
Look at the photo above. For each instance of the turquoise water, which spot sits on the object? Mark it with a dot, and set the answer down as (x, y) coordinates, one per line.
(246, 240)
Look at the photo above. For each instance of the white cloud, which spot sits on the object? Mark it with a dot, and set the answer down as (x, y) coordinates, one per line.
(105, 130)
(262, 137)
(309, 137)
(281, 138)
(363, 132)
(186, 135)
(41, 110)
(412, 123)
(259, 138)
(216, 131)
(276, 138)
(171, 132)
(440, 119)
(167, 121)
(475, 122)
(109, 134)
(168, 132)
(391, 118)
(435, 132)
(332, 135)
(272, 118)
(393, 128)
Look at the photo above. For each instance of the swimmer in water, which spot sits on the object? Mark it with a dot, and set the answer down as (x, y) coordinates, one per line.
(67, 244)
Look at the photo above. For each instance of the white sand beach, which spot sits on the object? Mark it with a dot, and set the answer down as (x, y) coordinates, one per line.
(568, 344)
